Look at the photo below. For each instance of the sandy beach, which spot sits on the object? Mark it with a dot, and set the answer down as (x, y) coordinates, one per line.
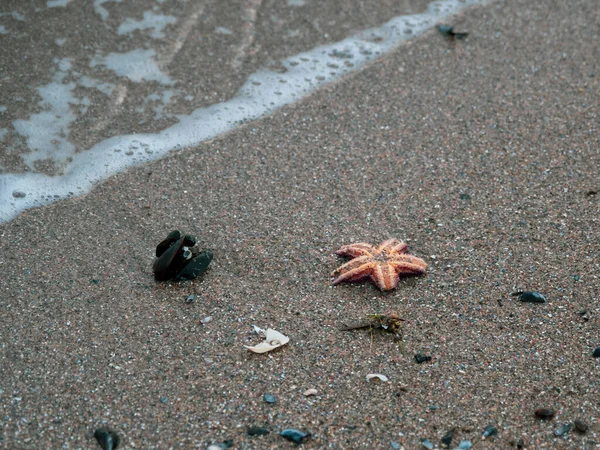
(481, 153)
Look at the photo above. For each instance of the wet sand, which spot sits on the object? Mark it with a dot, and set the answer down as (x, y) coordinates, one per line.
(481, 153)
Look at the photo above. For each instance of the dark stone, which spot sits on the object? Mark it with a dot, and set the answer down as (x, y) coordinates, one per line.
(189, 240)
(257, 431)
(596, 352)
(175, 259)
(580, 426)
(269, 398)
(448, 31)
(296, 436)
(190, 298)
(420, 358)
(563, 429)
(108, 439)
(520, 443)
(529, 297)
(18, 194)
(170, 240)
(489, 431)
(447, 439)
(465, 197)
(544, 413)
(170, 262)
(195, 267)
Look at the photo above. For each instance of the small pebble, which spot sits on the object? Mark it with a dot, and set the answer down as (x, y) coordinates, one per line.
(530, 297)
(426, 443)
(257, 431)
(395, 445)
(563, 429)
(310, 392)
(447, 439)
(489, 431)
(596, 352)
(520, 444)
(269, 398)
(420, 358)
(190, 298)
(18, 194)
(544, 413)
(206, 320)
(464, 445)
(293, 435)
(164, 399)
(580, 426)
(108, 439)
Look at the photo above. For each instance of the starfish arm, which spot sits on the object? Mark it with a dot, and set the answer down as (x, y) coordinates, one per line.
(385, 277)
(408, 268)
(356, 250)
(351, 265)
(398, 249)
(392, 245)
(410, 259)
(353, 270)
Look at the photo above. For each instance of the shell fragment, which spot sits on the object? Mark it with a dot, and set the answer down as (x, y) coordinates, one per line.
(273, 339)
(377, 376)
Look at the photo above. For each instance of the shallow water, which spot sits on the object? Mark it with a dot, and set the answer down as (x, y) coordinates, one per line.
(56, 155)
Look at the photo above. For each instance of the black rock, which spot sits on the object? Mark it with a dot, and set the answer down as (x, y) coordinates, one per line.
(580, 426)
(18, 194)
(520, 443)
(529, 297)
(563, 429)
(296, 436)
(489, 431)
(420, 358)
(189, 240)
(108, 439)
(177, 261)
(195, 267)
(170, 262)
(173, 237)
(544, 413)
(269, 398)
(257, 431)
(447, 439)
(448, 31)
(465, 197)
(596, 352)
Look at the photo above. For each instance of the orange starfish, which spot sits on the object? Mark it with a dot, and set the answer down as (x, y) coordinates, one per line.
(384, 264)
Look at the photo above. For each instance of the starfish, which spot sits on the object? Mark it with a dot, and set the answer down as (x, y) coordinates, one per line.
(384, 263)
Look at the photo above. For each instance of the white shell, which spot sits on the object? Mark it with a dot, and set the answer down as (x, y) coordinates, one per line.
(310, 392)
(273, 339)
(377, 376)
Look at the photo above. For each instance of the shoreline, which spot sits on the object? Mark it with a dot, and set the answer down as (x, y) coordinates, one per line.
(481, 164)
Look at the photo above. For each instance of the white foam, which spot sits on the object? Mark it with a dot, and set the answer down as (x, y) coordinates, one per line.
(137, 65)
(46, 132)
(55, 3)
(101, 10)
(151, 21)
(263, 92)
